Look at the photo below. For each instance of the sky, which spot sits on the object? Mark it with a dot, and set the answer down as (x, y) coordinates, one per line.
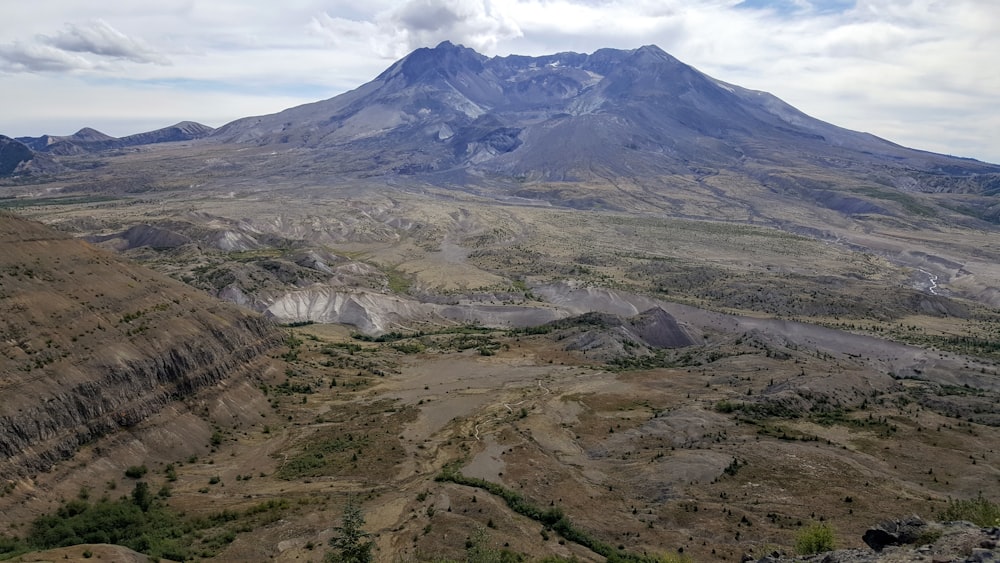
(922, 73)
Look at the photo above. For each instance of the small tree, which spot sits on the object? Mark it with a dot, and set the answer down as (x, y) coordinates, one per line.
(351, 541)
(141, 496)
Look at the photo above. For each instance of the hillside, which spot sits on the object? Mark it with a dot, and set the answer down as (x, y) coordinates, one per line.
(12, 155)
(600, 307)
(92, 346)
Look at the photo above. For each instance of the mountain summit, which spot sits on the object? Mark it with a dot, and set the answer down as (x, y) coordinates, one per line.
(570, 116)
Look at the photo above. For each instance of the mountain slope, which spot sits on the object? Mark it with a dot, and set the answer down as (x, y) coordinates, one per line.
(12, 155)
(90, 345)
(572, 116)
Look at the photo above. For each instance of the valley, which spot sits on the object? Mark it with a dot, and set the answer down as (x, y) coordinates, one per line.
(675, 340)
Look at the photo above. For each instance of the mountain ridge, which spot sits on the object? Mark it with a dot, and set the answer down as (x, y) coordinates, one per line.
(89, 140)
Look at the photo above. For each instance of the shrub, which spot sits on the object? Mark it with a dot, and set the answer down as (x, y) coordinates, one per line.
(817, 538)
(136, 471)
(979, 511)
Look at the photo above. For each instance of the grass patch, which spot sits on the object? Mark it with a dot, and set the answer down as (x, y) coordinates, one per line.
(319, 457)
(909, 203)
(399, 282)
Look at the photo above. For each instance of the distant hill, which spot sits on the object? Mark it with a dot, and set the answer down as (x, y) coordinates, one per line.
(12, 155)
(90, 140)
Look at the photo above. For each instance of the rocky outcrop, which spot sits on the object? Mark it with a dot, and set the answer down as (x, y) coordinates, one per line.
(610, 336)
(895, 532)
(375, 313)
(908, 540)
(90, 345)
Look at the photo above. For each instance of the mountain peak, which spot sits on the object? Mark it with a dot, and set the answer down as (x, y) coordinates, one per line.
(652, 54)
(445, 60)
(91, 134)
(652, 50)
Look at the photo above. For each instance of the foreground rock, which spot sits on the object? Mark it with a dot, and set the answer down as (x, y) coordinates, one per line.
(912, 539)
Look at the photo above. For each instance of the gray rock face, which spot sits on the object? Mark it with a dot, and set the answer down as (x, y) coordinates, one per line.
(894, 532)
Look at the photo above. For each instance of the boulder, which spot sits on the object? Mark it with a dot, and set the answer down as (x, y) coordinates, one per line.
(895, 532)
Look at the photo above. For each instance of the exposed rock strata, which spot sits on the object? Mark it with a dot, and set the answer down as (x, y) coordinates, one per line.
(90, 345)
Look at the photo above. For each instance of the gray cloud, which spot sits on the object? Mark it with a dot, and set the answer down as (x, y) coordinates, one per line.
(476, 23)
(19, 57)
(392, 33)
(98, 37)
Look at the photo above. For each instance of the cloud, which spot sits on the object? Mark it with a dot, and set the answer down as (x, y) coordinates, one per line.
(88, 47)
(480, 24)
(19, 57)
(98, 37)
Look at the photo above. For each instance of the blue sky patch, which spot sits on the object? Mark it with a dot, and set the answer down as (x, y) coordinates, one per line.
(791, 7)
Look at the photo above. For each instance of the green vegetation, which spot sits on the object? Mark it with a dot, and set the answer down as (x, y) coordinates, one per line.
(759, 413)
(18, 203)
(479, 549)
(398, 281)
(320, 455)
(817, 538)
(553, 517)
(350, 540)
(136, 471)
(980, 511)
(909, 203)
(140, 522)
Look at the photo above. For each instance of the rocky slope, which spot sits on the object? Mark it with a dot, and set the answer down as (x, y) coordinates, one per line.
(90, 345)
(12, 155)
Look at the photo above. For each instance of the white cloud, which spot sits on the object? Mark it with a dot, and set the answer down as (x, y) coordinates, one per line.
(99, 38)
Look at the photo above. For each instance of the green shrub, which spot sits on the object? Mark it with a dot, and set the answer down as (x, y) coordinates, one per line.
(979, 511)
(136, 471)
(817, 538)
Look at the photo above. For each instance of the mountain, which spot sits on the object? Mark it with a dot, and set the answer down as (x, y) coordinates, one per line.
(17, 159)
(183, 131)
(66, 144)
(12, 155)
(88, 140)
(571, 116)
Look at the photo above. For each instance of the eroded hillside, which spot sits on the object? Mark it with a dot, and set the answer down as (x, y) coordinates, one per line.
(92, 346)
